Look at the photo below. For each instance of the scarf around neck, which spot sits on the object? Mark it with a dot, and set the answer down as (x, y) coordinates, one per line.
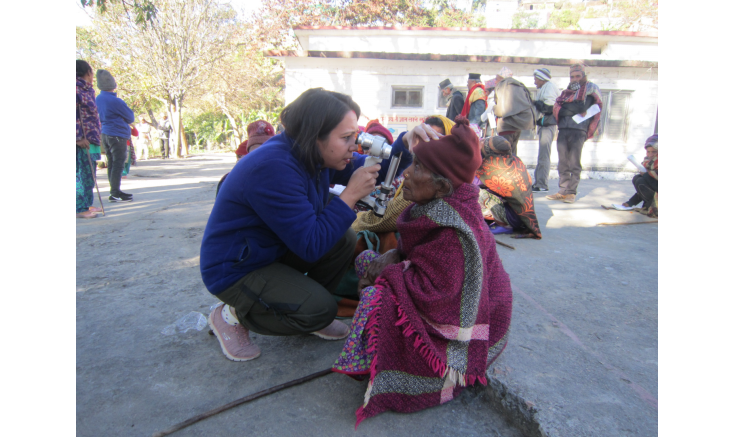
(472, 97)
(585, 89)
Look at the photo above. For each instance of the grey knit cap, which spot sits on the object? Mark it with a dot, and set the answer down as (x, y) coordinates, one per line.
(105, 81)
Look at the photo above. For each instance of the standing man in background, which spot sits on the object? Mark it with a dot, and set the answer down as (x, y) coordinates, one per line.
(457, 101)
(513, 107)
(578, 98)
(545, 98)
(116, 118)
(476, 101)
(144, 138)
(164, 127)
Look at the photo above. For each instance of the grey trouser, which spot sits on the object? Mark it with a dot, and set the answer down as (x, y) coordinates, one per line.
(116, 150)
(569, 144)
(543, 163)
(279, 300)
(512, 138)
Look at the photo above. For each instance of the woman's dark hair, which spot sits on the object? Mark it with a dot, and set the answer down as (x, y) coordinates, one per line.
(311, 117)
(83, 68)
(435, 121)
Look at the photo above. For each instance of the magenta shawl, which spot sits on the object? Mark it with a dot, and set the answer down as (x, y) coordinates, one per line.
(444, 312)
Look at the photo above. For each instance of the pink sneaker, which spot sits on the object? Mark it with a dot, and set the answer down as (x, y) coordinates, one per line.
(235, 340)
(335, 331)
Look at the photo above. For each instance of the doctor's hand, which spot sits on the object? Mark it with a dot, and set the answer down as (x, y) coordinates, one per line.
(421, 132)
(361, 184)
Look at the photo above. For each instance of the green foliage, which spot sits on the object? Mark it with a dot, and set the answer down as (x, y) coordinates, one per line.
(215, 127)
(143, 11)
(525, 20)
(564, 19)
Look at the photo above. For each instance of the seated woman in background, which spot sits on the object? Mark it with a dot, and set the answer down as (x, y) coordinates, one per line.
(259, 132)
(646, 184)
(440, 124)
(438, 313)
(505, 194)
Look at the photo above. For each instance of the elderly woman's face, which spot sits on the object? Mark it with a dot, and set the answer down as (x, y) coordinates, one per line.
(337, 148)
(418, 185)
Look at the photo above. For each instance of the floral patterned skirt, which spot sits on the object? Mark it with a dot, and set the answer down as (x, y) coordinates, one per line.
(355, 358)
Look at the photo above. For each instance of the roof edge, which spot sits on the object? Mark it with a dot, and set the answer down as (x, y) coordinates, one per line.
(486, 29)
(459, 58)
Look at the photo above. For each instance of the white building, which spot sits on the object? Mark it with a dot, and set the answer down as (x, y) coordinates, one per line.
(394, 73)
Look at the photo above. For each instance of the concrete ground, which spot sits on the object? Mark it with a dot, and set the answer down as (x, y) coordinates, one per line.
(582, 357)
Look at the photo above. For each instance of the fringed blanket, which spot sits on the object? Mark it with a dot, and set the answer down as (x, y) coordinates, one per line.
(506, 176)
(441, 316)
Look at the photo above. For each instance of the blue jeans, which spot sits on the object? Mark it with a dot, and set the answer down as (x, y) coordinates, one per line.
(116, 149)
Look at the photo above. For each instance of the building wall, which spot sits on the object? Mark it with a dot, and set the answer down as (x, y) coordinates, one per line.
(369, 83)
(630, 51)
(441, 45)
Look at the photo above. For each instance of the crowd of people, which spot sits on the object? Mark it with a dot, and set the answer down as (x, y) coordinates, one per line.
(431, 313)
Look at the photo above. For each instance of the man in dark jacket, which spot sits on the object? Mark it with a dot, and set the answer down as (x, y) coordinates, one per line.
(577, 99)
(455, 104)
(116, 118)
(545, 98)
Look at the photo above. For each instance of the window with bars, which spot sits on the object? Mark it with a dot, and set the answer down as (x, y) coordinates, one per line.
(407, 97)
(444, 101)
(614, 118)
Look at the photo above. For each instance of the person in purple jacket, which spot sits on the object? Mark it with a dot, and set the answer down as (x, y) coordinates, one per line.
(88, 140)
(275, 247)
(116, 118)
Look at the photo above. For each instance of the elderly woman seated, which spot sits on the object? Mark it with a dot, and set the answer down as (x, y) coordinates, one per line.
(505, 190)
(434, 313)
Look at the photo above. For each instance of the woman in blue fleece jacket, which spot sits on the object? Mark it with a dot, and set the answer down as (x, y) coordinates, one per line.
(271, 224)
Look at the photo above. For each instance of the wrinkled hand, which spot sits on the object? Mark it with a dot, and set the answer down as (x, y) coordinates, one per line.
(420, 132)
(376, 267)
(362, 182)
(583, 113)
(83, 143)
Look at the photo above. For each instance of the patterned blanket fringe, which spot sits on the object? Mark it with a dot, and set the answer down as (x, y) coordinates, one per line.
(372, 329)
(436, 363)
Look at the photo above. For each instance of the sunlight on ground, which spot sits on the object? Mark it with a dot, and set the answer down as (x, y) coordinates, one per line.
(587, 210)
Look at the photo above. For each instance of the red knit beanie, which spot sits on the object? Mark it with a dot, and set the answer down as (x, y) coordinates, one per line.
(242, 149)
(456, 156)
(259, 132)
(374, 127)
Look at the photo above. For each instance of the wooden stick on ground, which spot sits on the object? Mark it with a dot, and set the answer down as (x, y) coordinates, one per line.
(632, 223)
(506, 245)
(240, 401)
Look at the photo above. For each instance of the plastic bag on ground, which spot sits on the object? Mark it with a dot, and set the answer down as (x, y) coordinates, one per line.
(193, 320)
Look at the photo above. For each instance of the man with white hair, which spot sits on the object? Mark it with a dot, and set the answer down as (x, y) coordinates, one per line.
(513, 107)
(545, 98)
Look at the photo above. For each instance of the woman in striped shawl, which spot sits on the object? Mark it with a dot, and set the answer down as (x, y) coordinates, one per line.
(439, 309)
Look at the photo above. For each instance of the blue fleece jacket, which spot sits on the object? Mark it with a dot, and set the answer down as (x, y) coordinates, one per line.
(268, 205)
(115, 115)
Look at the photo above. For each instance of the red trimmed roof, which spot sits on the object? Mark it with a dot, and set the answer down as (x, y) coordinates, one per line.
(484, 29)
(458, 58)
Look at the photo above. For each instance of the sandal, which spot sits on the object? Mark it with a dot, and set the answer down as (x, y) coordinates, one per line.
(95, 209)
